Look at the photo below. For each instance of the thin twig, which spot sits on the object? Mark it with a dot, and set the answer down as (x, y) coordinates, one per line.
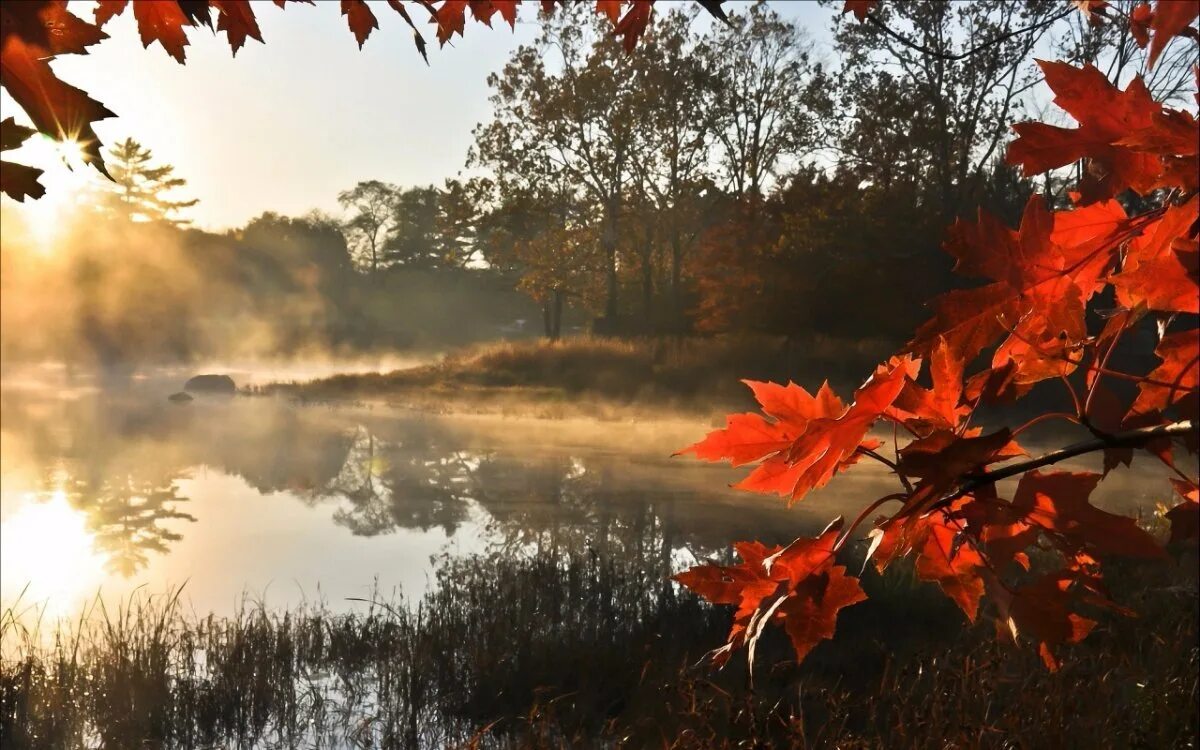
(973, 50)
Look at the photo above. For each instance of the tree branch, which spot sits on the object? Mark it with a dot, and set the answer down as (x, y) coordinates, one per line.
(977, 48)
(1130, 438)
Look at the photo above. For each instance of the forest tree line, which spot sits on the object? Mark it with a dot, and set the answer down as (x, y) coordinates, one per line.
(727, 178)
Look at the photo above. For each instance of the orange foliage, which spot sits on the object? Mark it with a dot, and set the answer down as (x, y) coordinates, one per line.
(1032, 316)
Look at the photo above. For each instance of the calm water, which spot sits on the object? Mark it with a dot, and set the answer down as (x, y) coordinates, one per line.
(108, 487)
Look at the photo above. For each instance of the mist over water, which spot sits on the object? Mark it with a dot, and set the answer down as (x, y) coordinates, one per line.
(108, 486)
(264, 497)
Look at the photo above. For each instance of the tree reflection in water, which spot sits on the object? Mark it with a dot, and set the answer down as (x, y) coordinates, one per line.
(391, 484)
(129, 517)
(555, 504)
(520, 486)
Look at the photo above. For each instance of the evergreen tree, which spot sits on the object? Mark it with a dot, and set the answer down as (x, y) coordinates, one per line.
(140, 188)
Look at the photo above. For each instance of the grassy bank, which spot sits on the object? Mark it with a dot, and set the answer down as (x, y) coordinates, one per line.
(562, 649)
(662, 374)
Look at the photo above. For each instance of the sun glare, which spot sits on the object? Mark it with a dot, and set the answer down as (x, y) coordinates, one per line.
(47, 550)
(66, 178)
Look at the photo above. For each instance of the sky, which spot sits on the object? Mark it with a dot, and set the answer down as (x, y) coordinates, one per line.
(288, 124)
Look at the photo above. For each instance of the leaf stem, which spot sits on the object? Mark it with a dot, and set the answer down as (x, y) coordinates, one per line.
(1043, 418)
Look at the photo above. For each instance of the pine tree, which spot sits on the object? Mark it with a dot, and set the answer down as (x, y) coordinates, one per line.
(140, 187)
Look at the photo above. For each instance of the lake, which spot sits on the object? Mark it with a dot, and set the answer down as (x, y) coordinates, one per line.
(381, 576)
(107, 487)
(110, 487)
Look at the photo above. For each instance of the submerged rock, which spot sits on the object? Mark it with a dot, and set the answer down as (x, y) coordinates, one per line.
(211, 384)
(180, 398)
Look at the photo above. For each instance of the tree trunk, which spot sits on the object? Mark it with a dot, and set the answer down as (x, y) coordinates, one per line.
(676, 280)
(647, 286)
(608, 241)
(556, 316)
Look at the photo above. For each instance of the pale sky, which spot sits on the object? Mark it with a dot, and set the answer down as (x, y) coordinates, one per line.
(287, 124)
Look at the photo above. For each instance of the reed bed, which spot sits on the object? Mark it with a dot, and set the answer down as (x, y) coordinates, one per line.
(559, 648)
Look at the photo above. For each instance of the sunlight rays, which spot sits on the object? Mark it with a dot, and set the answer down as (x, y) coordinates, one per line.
(69, 182)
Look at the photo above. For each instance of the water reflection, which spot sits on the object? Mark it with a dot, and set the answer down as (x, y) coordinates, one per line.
(51, 539)
(130, 517)
(253, 493)
(384, 485)
(287, 489)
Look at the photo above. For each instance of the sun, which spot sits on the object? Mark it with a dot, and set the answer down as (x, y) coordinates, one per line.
(68, 181)
(47, 551)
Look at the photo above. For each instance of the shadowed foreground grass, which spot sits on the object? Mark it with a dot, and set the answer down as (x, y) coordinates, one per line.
(665, 373)
(571, 649)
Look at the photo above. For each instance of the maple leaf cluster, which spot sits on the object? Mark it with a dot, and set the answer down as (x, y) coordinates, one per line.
(33, 32)
(1031, 316)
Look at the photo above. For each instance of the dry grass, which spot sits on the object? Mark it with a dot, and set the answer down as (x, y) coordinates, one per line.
(660, 373)
(568, 649)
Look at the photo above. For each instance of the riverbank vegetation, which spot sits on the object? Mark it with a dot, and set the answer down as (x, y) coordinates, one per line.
(554, 648)
(694, 374)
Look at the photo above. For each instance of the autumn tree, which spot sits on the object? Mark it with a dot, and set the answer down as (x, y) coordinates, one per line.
(140, 188)
(461, 204)
(412, 230)
(373, 207)
(672, 172)
(915, 112)
(541, 234)
(760, 114)
(568, 126)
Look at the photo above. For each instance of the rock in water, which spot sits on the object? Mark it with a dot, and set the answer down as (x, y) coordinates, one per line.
(179, 398)
(222, 384)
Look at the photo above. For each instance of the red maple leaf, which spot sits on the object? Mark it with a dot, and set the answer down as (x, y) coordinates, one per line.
(360, 19)
(1176, 379)
(1185, 517)
(922, 409)
(633, 25)
(162, 22)
(1160, 270)
(1170, 18)
(56, 109)
(18, 180)
(450, 18)
(236, 19)
(1041, 611)
(1055, 505)
(106, 10)
(809, 439)
(944, 554)
(1139, 24)
(860, 8)
(1124, 134)
(610, 9)
(483, 10)
(1043, 274)
(798, 586)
